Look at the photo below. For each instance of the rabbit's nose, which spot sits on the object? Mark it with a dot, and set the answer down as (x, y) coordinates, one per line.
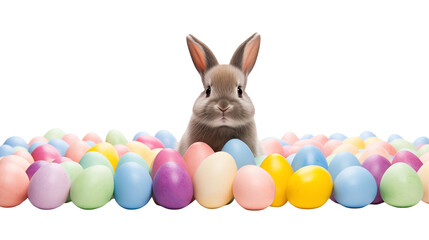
(223, 109)
(223, 105)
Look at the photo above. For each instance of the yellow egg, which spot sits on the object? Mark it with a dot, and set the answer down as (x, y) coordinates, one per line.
(309, 187)
(280, 170)
(346, 147)
(213, 180)
(355, 141)
(108, 151)
(142, 150)
(371, 140)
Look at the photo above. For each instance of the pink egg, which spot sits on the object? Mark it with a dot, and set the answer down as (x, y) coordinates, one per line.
(13, 185)
(24, 154)
(70, 138)
(286, 149)
(151, 142)
(61, 160)
(424, 158)
(322, 139)
(93, 137)
(290, 138)
(17, 160)
(77, 150)
(34, 167)
(253, 188)
(408, 158)
(387, 146)
(195, 154)
(38, 139)
(331, 145)
(272, 145)
(45, 152)
(121, 149)
(166, 155)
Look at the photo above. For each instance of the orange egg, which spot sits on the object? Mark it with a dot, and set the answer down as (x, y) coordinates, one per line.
(76, 150)
(387, 146)
(25, 154)
(13, 185)
(17, 160)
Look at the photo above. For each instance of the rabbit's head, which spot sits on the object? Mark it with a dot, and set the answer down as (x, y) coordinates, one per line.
(224, 101)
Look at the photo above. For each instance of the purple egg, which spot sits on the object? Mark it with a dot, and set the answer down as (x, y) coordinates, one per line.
(32, 169)
(376, 165)
(61, 160)
(408, 158)
(172, 186)
(49, 187)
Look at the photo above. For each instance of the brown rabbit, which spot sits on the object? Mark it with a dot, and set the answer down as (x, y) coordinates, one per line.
(223, 110)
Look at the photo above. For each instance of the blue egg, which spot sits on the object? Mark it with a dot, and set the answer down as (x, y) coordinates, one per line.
(34, 145)
(306, 136)
(60, 145)
(355, 187)
(421, 140)
(133, 186)
(309, 155)
(90, 143)
(367, 134)
(338, 136)
(393, 137)
(341, 161)
(166, 138)
(133, 157)
(240, 152)
(139, 134)
(6, 150)
(16, 141)
(290, 158)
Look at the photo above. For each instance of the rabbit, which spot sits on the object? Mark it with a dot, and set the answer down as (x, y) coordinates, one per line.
(223, 111)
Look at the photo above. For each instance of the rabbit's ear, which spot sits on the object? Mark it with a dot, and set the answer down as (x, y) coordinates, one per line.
(202, 56)
(245, 56)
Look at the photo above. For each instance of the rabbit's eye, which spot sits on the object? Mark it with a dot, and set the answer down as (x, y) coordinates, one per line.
(208, 91)
(240, 92)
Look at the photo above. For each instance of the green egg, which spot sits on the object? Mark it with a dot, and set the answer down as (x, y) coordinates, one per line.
(115, 137)
(259, 160)
(73, 169)
(400, 186)
(54, 133)
(133, 157)
(424, 149)
(400, 144)
(90, 159)
(93, 188)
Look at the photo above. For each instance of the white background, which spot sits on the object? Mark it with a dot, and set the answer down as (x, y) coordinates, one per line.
(323, 67)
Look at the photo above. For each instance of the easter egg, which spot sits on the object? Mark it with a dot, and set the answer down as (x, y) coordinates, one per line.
(142, 150)
(139, 134)
(93, 137)
(121, 149)
(133, 185)
(37, 139)
(92, 188)
(355, 141)
(424, 177)
(309, 187)
(90, 159)
(24, 154)
(34, 167)
(424, 149)
(151, 142)
(240, 152)
(309, 155)
(253, 188)
(306, 136)
(45, 152)
(17, 160)
(133, 157)
(49, 187)
(367, 134)
(195, 154)
(108, 151)
(172, 186)
(34, 146)
(346, 147)
(424, 158)
(115, 137)
(408, 158)
(76, 150)
(331, 145)
(259, 160)
(90, 143)
(167, 155)
(341, 161)
(400, 144)
(6, 150)
(290, 158)
(213, 180)
(290, 138)
(54, 133)
(338, 136)
(371, 140)
(400, 186)
(280, 171)
(355, 187)
(13, 185)
(418, 141)
(70, 138)
(167, 139)
(393, 137)
(271, 146)
(61, 160)
(60, 145)
(16, 141)
(382, 144)
(377, 166)
(73, 170)
(322, 139)
(372, 151)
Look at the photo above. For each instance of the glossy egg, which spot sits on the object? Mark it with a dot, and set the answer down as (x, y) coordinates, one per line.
(195, 154)
(309, 155)
(115, 137)
(213, 180)
(73, 170)
(151, 142)
(166, 155)
(240, 152)
(60, 145)
(93, 137)
(76, 150)
(408, 158)
(34, 167)
(45, 152)
(290, 138)
(133, 157)
(341, 161)
(90, 159)
(271, 146)
(16, 141)
(54, 133)
(167, 139)
(6, 150)
(280, 171)
(13, 185)
(377, 166)
(108, 151)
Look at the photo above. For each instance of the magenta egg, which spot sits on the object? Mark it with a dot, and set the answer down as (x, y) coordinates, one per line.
(32, 169)
(45, 152)
(164, 156)
(172, 186)
(151, 142)
(408, 158)
(377, 166)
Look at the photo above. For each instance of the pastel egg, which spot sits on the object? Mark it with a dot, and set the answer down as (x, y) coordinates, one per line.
(172, 186)
(121, 149)
(34, 167)
(400, 186)
(151, 142)
(290, 138)
(37, 139)
(142, 150)
(424, 177)
(259, 160)
(306, 136)
(338, 136)
(13, 185)
(35, 145)
(60, 145)
(424, 149)
(70, 138)
(367, 134)
(73, 170)
(76, 150)
(418, 141)
(309, 155)
(346, 147)
(341, 161)
(90, 143)
(17, 160)
(45, 152)
(49, 187)
(240, 152)
(253, 188)
(302, 143)
(372, 151)
(90, 159)
(167, 155)
(16, 141)
(213, 180)
(377, 166)
(272, 145)
(116, 137)
(24, 154)
(393, 137)
(93, 137)
(6, 150)
(280, 171)
(92, 188)
(309, 187)
(133, 185)
(425, 158)
(108, 151)
(371, 140)
(54, 133)
(61, 160)
(408, 158)
(355, 141)
(400, 144)
(167, 139)
(139, 134)
(133, 157)
(385, 145)
(331, 145)
(322, 139)
(195, 154)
